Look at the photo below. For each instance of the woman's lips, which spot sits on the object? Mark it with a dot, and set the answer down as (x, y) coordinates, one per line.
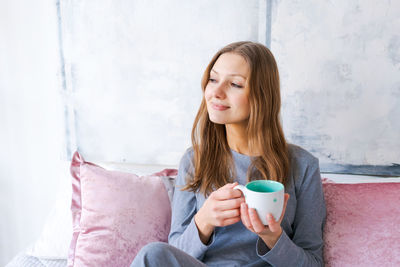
(219, 107)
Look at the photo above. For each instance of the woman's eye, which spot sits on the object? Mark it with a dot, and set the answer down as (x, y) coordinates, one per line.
(212, 80)
(236, 85)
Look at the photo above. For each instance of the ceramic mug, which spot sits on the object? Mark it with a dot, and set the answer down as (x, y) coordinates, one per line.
(265, 197)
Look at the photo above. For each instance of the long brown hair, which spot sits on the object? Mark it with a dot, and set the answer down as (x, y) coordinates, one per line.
(212, 158)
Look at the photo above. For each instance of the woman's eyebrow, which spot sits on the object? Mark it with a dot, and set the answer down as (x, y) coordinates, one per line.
(232, 74)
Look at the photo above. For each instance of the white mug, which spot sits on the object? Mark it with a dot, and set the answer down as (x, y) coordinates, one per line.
(265, 197)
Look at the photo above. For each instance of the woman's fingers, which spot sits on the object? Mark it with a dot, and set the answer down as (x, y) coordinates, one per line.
(227, 217)
(273, 225)
(231, 221)
(221, 208)
(225, 214)
(230, 203)
(244, 215)
(258, 226)
(252, 222)
(227, 192)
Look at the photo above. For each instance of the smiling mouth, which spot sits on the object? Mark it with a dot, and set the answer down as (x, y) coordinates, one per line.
(219, 107)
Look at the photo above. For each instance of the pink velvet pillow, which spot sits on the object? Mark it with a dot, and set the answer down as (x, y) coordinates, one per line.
(115, 214)
(363, 222)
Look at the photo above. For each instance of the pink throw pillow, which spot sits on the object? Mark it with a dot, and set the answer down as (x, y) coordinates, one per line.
(115, 214)
(362, 227)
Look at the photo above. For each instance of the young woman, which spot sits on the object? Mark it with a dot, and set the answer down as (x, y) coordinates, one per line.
(237, 137)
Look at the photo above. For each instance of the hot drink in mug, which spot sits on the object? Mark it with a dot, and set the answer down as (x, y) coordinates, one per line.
(265, 197)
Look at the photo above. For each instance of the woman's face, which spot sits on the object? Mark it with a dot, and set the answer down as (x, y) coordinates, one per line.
(226, 93)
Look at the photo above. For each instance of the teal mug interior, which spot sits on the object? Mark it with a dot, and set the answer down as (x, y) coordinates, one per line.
(264, 186)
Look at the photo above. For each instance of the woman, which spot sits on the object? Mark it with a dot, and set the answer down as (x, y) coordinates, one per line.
(237, 137)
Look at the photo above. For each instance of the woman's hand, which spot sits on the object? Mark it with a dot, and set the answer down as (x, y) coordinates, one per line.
(269, 234)
(221, 208)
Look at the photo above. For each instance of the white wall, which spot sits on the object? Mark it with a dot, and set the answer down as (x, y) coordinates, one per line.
(31, 119)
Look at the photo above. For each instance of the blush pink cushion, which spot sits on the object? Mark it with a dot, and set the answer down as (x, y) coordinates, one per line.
(115, 214)
(363, 222)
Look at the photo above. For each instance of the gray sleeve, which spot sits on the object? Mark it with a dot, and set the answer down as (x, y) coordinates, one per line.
(306, 246)
(184, 234)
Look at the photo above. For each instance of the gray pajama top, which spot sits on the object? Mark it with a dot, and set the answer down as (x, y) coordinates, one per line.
(301, 242)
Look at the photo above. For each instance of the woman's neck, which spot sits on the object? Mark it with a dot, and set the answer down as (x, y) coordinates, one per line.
(237, 139)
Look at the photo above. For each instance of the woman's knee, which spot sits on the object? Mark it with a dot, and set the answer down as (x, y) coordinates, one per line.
(151, 253)
(155, 248)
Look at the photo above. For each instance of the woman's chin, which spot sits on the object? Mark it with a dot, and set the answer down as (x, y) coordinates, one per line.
(217, 120)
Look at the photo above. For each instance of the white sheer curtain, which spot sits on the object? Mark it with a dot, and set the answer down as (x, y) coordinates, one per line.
(31, 120)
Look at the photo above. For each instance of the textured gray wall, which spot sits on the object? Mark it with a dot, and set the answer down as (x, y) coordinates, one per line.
(340, 68)
(133, 72)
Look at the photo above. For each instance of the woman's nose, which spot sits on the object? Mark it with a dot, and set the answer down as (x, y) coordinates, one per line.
(219, 91)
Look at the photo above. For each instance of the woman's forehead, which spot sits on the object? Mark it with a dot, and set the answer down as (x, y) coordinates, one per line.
(230, 64)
